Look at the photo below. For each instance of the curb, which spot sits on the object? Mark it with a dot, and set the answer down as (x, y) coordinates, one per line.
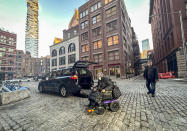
(14, 96)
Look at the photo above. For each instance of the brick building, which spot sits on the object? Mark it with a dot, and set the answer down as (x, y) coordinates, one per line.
(41, 66)
(166, 32)
(35, 66)
(7, 55)
(27, 65)
(66, 53)
(105, 36)
(45, 65)
(19, 60)
(136, 54)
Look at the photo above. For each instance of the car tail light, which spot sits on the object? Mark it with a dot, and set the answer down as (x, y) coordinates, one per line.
(74, 77)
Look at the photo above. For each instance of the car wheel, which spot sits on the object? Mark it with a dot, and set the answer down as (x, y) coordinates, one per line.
(100, 110)
(63, 92)
(41, 89)
(114, 106)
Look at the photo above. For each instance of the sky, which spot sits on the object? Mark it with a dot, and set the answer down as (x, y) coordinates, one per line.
(55, 15)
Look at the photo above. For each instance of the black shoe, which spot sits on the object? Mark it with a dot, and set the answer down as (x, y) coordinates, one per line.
(153, 95)
(148, 93)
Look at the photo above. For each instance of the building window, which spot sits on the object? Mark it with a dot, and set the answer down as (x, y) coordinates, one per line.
(10, 50)
(54, 53)
(113, 55)
(111, 26)
(3, 68)
(97, 44)
(113, 40)
(71, 59)
(96, 6)
(10, 41)
(62, 50)
(10, 56)
(71, 47)
(110, 12)
(96, 19)
(84, 36)
(98, 58)
(3, 62)
(62, 60)
(10, 69)
(11, 62)
(186, 8)
(85, 48)
(75, 32)
(2, 49)
(85, 58)
(107, 1)
(69, 35)
(124, 29)
(96, 31)
(54, 62)
(84, 24)
(2, 54)
(84, 13)
(3, 39)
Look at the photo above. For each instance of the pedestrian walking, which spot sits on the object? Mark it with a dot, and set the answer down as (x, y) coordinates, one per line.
(151, 76)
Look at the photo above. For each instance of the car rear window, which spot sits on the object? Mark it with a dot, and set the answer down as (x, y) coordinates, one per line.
(82, 71)
(66, 72)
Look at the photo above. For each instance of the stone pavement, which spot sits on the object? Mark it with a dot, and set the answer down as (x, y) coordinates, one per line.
(139, 111)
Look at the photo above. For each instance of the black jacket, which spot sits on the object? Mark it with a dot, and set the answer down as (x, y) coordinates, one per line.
(104, 83)
(151, 73)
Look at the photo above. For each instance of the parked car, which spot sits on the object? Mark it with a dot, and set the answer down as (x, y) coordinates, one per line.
(68, 81)
(27, 79)
(166, 75)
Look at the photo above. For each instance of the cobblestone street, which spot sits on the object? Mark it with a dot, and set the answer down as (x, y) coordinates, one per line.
(139, 111)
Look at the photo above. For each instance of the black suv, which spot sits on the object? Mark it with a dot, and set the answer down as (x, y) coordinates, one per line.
(69, 81)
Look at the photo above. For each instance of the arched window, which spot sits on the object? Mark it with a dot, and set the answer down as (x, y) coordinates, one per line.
(71, 47)
(62, 50)
(54, 53)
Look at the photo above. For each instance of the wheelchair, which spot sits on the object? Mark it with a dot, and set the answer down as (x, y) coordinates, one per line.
(104, 101)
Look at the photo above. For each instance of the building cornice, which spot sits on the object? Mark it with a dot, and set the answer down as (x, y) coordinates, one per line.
(64, 42)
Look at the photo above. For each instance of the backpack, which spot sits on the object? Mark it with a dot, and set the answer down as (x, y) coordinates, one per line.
(116, 92)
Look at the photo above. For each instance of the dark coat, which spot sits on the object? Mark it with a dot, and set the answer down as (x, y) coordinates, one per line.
(97, 95)
(105, 83)
(151, 73)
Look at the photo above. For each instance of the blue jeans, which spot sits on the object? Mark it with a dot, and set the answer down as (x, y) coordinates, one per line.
(152, 88)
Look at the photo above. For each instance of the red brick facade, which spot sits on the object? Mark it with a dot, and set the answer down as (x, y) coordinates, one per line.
(7, 55)
(100, 46)
(166, 32)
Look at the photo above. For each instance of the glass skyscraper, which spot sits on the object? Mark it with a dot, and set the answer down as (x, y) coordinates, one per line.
(145, 45)
(31, 34)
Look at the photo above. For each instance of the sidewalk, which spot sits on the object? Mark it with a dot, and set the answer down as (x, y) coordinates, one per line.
(139, 77)
(180, 79)
(167, 111)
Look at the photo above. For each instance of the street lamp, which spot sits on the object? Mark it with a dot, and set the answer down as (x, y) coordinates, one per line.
(182, 32)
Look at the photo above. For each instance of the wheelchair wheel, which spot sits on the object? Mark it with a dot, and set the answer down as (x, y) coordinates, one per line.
(114, 106)
(100, 110)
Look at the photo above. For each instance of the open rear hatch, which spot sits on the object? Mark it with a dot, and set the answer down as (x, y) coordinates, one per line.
(83, 64)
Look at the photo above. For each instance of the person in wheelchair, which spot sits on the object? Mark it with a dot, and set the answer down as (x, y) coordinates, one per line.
(101, 92)
(104, 96)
